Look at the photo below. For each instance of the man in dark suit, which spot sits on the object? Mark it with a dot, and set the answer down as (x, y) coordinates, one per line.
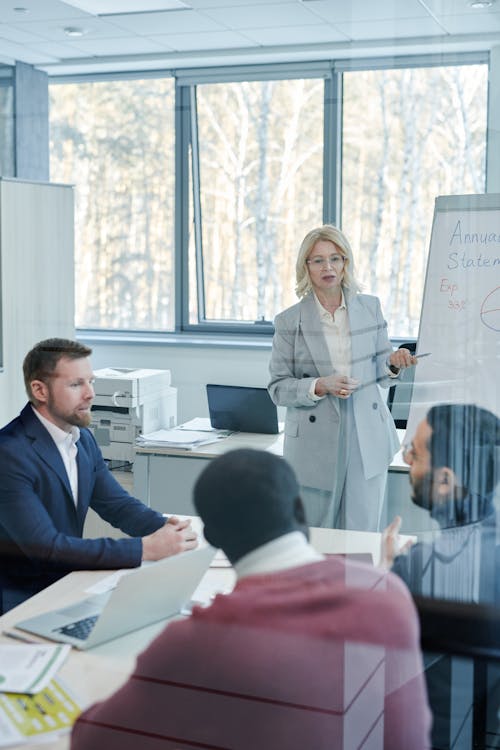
(52, 471)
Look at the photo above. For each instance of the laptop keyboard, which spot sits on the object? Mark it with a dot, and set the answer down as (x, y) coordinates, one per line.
(79, 629)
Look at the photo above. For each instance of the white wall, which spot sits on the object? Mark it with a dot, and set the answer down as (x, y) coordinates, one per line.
(37, 262)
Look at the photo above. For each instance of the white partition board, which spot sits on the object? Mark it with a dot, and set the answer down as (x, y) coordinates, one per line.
(460, 320)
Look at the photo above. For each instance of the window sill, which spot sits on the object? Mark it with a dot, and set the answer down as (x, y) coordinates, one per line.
(188, 339)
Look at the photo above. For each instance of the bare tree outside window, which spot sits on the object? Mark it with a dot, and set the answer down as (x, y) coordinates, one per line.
(261, 175)
(115, 141)
(408, 136)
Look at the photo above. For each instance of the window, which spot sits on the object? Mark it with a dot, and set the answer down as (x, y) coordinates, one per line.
(258, 170)
(235, 171)
(115, 141)
(7, 166)
(409, 135)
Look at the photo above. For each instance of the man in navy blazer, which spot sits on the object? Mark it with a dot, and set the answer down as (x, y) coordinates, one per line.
(52, 471)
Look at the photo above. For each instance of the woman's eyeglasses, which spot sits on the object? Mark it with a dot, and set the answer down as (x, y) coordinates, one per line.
(333, 260)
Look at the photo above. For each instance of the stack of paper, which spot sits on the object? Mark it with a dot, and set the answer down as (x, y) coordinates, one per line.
(177, 438)
(33, 705)
(31, 719)
(202, 424)
(28, 668)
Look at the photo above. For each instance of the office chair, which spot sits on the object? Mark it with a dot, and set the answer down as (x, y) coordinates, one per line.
(399, 396)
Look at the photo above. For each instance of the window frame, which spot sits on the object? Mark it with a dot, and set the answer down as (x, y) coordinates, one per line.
(186, 80)
(186, 83)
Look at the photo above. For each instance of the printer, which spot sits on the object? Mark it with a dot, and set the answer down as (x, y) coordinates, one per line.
(127, 403)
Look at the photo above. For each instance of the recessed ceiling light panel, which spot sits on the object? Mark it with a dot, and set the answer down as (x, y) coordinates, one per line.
(74, 31)
(119, 7)
(481, 3)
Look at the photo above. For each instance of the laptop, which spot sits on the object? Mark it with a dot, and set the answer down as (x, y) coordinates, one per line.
(242, 409)
(146, 595)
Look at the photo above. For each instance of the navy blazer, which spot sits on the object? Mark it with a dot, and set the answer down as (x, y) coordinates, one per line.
(40, 527)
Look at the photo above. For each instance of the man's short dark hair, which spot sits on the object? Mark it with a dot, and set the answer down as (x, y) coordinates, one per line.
(247, 498)
(41, 361)
(466, 439)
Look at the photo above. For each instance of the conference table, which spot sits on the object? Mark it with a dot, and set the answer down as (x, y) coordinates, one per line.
(159, 467)
(94, 674)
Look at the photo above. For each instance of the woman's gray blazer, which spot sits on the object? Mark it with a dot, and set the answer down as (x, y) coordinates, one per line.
(312, 428)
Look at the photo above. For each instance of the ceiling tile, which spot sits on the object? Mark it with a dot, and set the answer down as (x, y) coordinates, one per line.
(94, 27)
(211, 4)
(336, 11)
(272, 14)
(205, 40)
(473, 24)
(38, 10)
(18, 52)
(123, 46)
(391, 28)
(296, 35)
(458, 7)
(58, 49)
(20, 35)
(100, 7)
(175, 21)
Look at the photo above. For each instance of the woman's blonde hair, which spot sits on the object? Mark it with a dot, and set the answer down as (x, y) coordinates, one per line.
(332, 234)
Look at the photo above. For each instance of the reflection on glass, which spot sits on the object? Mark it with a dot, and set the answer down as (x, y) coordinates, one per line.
(454, 470)
(115, 141)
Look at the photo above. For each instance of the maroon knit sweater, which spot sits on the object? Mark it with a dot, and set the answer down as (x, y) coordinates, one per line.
(318, 657)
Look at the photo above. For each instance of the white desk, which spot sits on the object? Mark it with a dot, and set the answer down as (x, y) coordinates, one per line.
(95, 674)
(164, 478)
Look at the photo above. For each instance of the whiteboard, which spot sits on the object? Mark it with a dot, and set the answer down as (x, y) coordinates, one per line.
(460, 320)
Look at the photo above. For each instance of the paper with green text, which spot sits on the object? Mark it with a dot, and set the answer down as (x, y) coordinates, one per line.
(28, 668)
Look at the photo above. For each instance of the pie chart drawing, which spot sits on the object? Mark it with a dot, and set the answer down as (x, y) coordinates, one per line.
(490, 310)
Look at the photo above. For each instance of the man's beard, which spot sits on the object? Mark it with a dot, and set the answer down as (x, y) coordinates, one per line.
(82, 419)
(74, 418)
(422, 492)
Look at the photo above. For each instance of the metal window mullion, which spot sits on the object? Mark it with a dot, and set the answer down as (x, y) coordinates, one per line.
(332, 149)
(182, 124)
(198, 233)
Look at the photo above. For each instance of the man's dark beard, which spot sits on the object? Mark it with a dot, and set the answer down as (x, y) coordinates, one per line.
(422, 492)
(461, 509)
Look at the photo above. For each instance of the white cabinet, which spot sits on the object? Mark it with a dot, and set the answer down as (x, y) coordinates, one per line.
(37, 277)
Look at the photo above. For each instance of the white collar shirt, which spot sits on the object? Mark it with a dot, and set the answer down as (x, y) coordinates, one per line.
(288, 551)
(337, 334)
(66, 445)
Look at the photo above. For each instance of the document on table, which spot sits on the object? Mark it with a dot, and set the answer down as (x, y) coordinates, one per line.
(202, 424)
(108, 583)
(177, 438)
(31, 719)
(28, 668)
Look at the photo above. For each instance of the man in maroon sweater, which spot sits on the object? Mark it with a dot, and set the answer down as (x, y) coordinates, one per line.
(306, 653)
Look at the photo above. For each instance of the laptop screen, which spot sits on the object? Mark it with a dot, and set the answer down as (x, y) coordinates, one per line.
(242, 409)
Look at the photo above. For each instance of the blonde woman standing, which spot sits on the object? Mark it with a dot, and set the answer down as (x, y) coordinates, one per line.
(330, 352)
